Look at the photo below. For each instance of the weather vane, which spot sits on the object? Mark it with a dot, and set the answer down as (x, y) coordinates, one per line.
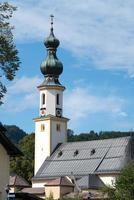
(51, 16)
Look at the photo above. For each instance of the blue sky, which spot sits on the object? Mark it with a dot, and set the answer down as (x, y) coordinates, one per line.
(97, 51)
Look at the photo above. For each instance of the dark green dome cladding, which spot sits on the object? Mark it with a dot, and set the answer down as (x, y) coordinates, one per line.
(51, 66)
(51, 41)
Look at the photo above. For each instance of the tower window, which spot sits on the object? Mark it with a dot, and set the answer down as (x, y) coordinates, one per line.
(42, 128)
(57, 99)
(43, 99)
(58, 127)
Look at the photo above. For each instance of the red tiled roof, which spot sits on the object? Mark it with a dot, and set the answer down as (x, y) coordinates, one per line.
(38, 191)
(61, 181)
(16, 180)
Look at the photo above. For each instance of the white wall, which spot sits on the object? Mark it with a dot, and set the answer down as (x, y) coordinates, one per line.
(4, 171)
(58, 136)
(50, 102)
(38, 184)
(47, 140)
(42, 141)
(108, 179)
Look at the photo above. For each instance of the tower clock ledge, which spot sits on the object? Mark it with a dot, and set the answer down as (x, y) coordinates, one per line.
(51, 117)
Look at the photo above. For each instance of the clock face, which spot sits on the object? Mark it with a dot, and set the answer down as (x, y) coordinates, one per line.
(58, 112)
(43, 112)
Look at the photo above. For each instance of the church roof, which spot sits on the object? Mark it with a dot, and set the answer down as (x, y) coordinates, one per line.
(91, 181)
(35, 191)
(90, 157)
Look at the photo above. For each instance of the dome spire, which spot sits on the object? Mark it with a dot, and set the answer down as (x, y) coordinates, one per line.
(51, 67)
(51, 16)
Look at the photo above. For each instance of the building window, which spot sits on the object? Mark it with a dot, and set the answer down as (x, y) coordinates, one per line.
(42, 128)
(76, 152)
(58, 127)
(92, 152)
(57, 99)
(43, 99)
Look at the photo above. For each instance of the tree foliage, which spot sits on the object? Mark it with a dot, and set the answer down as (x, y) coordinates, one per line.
(9, 60)
(92, 135)
(24, 165)
(124, 185)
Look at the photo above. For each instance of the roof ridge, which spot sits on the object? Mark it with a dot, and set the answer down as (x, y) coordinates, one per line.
(98, 140)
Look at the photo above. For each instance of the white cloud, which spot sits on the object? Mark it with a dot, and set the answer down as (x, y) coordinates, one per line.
(100, 31)
(18, 105)
(81, 103)
(22, 95)
(24, 85)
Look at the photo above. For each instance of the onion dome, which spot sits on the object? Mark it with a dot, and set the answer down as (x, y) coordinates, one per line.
(51, 41)
(51, 66)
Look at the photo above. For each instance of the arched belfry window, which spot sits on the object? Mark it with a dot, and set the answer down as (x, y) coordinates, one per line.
(43, 99)
(57, 99)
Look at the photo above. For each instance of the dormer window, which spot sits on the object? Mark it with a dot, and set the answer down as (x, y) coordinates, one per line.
(92, 152)
(60, 153)
(76, 152)
(43, 99)
(57, 99)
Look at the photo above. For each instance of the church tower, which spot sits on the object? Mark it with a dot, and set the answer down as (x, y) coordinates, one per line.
(50, 126)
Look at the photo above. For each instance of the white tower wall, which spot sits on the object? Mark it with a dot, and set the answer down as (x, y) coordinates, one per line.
(58, 136)
(42, 141)
(49, 132)
(51, 101)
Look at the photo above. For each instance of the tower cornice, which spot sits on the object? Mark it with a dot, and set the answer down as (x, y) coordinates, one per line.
(51, 117)
(51, 87)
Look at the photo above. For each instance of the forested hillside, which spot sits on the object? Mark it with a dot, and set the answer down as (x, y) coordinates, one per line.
(14, 133)
(92, 135)
(24, 165)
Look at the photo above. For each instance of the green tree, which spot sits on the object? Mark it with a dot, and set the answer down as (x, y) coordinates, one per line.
(109, 192)
(124, 186)
(9, 61)
(92, 135)
(24, 165)
(125, 183)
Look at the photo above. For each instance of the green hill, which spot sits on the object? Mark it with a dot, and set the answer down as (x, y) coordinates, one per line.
(14, 133)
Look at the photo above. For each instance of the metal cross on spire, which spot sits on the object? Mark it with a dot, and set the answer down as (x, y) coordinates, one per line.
(51, 16)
